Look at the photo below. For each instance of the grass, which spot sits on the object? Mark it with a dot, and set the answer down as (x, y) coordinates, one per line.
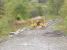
(7, 26)
(13, 9)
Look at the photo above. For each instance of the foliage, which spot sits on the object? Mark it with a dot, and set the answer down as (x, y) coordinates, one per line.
(54, 6)
(10, 10)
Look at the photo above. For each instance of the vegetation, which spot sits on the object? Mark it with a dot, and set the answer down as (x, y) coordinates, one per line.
(12, 10)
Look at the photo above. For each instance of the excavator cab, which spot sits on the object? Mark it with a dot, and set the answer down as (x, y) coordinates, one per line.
(38, 21)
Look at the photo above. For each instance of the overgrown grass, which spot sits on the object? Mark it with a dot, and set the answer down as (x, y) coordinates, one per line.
(4, 27)
(21, 9)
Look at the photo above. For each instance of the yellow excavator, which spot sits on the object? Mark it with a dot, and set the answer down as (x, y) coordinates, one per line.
(38, 21)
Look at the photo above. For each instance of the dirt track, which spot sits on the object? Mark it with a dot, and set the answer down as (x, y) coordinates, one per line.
(36, 40)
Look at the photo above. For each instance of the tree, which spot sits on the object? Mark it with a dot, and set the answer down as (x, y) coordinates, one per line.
(42, 1)
(54, 6)
(21, 11)
(63, 10)
(1, 7)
